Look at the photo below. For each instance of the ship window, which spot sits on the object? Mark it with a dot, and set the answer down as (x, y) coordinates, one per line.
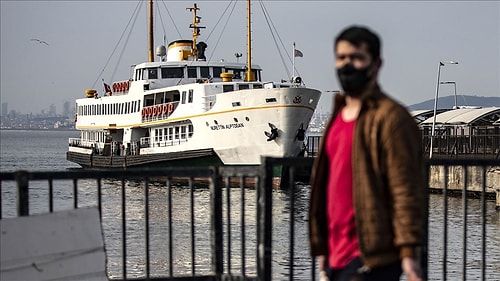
(177, 72)
(183, 132)
(192, 72)
(183, 97)
(190, 97)
(176, 132)
(243, 86)
(152, 73)
(271, 100)
(236, 103)
(216, 71)
(257, 86)
(228, 88)
(190, 130)
(170, 133)
(256, 74)
(204, 72)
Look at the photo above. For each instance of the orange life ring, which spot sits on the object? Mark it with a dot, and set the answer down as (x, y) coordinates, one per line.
(170, 108)
(148, 109)
(155, 110)
(164, 108)
(124, 86)
(143, 112)
(115, 87)
(127, 85)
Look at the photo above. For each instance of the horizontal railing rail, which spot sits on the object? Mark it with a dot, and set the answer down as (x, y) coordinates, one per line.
(240, 223)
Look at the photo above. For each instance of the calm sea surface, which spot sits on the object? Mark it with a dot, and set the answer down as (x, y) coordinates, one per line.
(46, 151)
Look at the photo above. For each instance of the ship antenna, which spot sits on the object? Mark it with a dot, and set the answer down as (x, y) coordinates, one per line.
(196, 28)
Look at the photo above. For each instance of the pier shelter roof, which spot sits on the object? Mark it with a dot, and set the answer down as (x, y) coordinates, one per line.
(485, 116)
(421, 115)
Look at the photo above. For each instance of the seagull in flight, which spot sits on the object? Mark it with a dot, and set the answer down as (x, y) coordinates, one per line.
(40, 41)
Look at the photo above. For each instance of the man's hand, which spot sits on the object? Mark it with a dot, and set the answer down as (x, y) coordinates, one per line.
(322, 262)
(412, 269)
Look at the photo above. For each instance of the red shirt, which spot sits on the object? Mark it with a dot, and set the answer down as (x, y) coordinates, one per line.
(342, 237)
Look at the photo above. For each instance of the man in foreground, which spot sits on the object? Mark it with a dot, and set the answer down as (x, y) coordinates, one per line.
(367, 208)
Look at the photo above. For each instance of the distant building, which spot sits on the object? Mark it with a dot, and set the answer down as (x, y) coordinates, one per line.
(52, 110)
(66, 109)
(5, 109)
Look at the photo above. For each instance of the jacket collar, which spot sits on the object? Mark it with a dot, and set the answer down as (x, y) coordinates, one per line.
(370, 98)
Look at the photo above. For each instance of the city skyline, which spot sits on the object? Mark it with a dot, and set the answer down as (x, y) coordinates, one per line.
(51, 111)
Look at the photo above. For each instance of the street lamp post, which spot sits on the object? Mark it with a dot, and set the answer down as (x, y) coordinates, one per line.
(441, 63)
(455, 86)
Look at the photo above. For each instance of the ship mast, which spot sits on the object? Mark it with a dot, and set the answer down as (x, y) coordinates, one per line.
(150, 32)
(196, 29)
(249, 76)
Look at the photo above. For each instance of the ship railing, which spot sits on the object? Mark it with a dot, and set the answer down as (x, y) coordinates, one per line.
(82, 143)
(223, 223)
(74, 142)
(151, 142)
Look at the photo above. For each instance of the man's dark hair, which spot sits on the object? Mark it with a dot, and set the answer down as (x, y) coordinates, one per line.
(358, 35)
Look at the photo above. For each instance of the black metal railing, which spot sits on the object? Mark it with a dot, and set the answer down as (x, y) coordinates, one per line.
(233, 223)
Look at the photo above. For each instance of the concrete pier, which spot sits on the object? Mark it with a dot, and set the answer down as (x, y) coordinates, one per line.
(474, 181)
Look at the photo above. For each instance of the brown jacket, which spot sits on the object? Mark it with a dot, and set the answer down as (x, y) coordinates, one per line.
(389, 189)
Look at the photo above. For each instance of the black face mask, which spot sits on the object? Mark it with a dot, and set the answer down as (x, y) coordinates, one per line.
(353, 80)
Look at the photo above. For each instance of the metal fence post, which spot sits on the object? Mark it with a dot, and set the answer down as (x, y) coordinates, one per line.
(216, 222)
(22, 179)
(264, 220)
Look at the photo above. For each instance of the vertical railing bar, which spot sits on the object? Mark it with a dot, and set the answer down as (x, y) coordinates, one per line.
(51, 196)
(146, 226)
(228, 224)
(191, 206)
(313, 269)
(291, 188)
(1, 200)
(124, 231)
(170, 231)
(445, 224)
(75, 193)
(258, 228)
(464, 201)
(99, 196)
(424, 251)
(243, 228)
(483, 224)
(216, 222)
(265, 220)
(22, 180)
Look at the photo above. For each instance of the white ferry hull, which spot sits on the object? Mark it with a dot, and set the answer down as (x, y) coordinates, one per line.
(235, 134)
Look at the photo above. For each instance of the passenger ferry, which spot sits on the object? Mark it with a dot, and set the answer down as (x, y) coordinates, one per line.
(185, 108)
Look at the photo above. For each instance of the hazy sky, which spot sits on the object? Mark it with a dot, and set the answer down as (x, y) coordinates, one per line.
(82, 35)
